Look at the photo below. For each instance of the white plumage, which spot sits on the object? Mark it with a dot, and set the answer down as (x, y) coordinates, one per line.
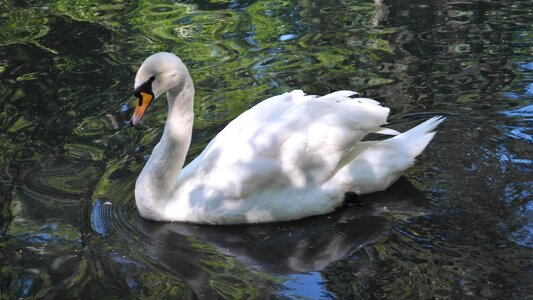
(288, 157)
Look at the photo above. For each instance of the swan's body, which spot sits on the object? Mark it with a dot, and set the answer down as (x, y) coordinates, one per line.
(289, 157)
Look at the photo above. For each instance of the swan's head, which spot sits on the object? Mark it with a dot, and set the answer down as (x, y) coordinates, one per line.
(158, 74)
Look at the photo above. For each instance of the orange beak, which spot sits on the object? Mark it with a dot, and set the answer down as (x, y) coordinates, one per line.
(142, 104)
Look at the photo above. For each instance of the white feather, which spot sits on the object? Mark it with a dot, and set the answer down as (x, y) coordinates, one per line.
(289, 157)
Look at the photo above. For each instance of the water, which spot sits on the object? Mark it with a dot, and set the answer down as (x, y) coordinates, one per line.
(458, 225)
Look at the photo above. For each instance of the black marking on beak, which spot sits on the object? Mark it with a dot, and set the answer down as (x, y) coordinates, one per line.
(145, 87)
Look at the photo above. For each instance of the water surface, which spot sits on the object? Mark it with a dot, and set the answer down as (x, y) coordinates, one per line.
(458, 225)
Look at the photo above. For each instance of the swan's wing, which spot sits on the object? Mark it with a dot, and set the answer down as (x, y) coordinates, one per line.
(293, 138)
(324, 132)
(261, 113)
(268, 109)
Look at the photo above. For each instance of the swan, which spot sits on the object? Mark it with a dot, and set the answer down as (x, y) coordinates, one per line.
(290, 156)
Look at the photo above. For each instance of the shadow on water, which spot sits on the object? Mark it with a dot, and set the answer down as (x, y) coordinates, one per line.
(300, 247)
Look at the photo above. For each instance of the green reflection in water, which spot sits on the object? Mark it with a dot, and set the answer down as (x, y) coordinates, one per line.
(66, 72)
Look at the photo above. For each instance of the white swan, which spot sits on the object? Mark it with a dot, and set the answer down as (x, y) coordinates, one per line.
(288, 157)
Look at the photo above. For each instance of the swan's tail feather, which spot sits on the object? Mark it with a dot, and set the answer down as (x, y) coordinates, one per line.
(375, 165)
(427, 126)
(416, 139)
(387, 131)
(342, 94)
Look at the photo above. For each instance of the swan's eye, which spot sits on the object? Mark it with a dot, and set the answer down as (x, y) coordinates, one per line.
(145, 87)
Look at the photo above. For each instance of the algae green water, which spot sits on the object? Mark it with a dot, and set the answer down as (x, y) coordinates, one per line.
(458, 225)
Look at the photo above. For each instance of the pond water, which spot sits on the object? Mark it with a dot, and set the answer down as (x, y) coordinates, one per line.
(458, 225)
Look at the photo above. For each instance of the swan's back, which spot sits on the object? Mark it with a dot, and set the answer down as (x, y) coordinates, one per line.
(302, 137)
(286, 148)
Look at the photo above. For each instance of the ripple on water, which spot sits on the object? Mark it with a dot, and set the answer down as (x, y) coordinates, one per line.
(524, 235)
(100, 217)
(70, 164)
(62, 179)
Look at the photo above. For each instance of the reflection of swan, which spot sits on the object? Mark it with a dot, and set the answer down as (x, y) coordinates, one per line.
(288, 248)
(289, 157)
(195, 253)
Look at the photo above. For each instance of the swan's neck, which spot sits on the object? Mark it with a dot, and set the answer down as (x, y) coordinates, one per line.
(158, 180)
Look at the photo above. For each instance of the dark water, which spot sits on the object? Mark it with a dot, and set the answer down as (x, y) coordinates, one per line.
(458, 225)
